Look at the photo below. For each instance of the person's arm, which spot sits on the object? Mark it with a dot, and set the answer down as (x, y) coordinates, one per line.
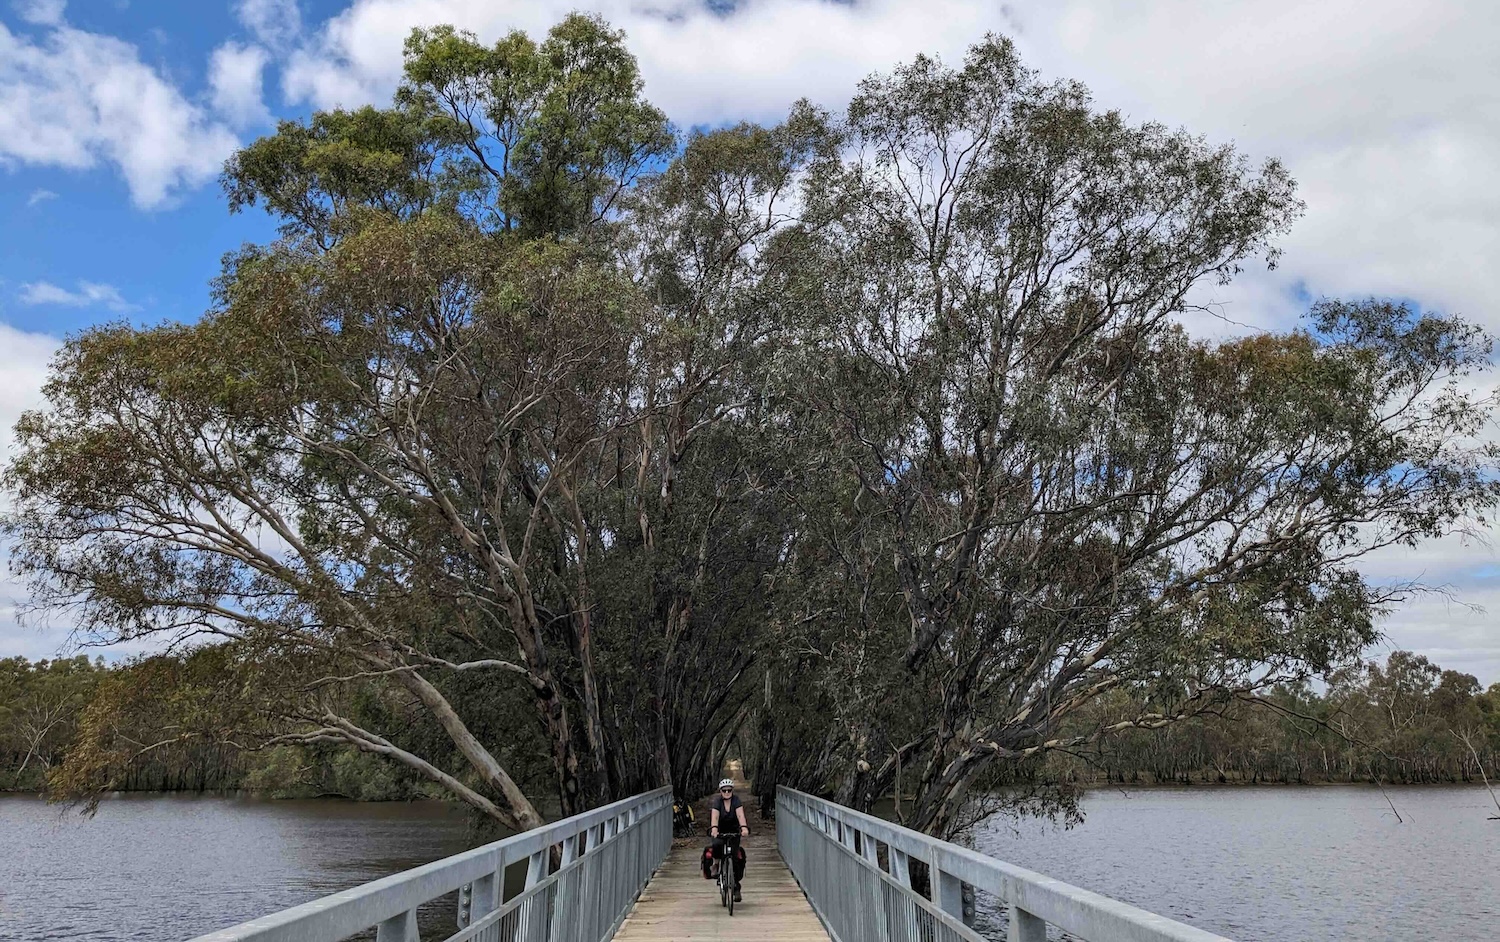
(744, 828)
(713, 821)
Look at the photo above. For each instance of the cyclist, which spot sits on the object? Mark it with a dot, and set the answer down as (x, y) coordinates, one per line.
(724, 812)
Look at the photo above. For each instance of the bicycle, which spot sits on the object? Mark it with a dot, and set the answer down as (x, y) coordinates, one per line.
(682, 818)
(727, 882)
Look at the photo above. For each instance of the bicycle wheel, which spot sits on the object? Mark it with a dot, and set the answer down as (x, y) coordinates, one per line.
(723, 886)
(734, 881)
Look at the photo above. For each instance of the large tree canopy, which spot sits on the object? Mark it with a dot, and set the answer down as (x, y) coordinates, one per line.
(550, 456)
(1058, 492)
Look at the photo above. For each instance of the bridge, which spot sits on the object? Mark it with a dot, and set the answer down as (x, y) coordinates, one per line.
(830, 873)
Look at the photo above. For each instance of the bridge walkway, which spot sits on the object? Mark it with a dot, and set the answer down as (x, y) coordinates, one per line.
(678, 905)
(617, 868)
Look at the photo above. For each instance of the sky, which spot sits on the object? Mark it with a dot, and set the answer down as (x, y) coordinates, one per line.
(117, 115)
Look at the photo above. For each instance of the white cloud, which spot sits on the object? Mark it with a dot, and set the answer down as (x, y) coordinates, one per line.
(40, 196)
(23, 369)
(89, 294)
(41, 12)
(1453, 632)
(273, 22)
(1454, 620)
(234, 78)
(699, 65)
(1386, 112)
(76, 99)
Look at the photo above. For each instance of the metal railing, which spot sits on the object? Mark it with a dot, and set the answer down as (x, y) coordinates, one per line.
(582, 875)
(856, 870)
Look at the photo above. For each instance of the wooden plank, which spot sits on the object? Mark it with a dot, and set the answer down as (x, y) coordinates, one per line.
(678, 905)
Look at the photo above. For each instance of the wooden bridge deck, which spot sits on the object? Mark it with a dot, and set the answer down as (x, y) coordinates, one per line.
(678, 905)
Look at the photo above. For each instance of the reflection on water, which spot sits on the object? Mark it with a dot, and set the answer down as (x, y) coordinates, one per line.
(168, 868)
(1283, 864)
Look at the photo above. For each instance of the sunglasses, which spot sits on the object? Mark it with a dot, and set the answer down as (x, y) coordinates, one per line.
(727, 791)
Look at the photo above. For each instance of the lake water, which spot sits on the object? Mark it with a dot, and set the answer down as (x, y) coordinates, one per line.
(1270, 864)
(1283, 864)
(168, 868)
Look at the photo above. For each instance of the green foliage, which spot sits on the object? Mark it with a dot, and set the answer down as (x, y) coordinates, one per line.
(39, 708)
(558, 126)
(279, 772)
(540, 458)
(542, 139)
(366, 778)
(1051, 491)
(1406, 721)
(315, 175)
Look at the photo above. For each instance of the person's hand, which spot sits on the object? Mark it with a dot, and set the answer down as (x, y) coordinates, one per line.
(713, 832)
(744, 831)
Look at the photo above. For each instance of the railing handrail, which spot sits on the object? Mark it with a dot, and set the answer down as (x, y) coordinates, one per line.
(342, 914)
(1081, 912)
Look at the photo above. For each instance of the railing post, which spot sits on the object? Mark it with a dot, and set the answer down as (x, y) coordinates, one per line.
(876, 902)
(947, 890)
(900, 868)
(565, 900)
(402, 928)
(536, 867)
(489, 891)
(1024, 927)
(815, 837)
(477, 899)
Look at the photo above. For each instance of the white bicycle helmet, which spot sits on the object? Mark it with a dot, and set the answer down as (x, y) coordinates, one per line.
(726, 783)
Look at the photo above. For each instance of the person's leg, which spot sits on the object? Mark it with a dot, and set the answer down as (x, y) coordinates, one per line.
(739, 871)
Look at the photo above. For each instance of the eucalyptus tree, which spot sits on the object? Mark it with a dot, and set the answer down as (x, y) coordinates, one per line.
(875, 444)
(1037, 489)
(39, 708)
(367, 461)
(475, 413)
(707, 242)
(536, 139)
(346, 469)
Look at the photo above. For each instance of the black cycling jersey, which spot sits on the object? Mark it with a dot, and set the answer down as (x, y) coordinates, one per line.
(729, 819)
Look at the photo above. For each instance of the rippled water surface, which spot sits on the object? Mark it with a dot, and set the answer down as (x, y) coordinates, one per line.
(1271, 864)
(1284, 864)
(168, 868)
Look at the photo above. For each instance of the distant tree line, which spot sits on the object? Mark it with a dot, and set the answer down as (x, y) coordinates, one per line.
(551, 454)
(40, 704)
(1405, 722)
(50, 709)
(1402, 722)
